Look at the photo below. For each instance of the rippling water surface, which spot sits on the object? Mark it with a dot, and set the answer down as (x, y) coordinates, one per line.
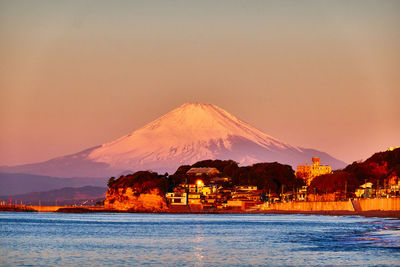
(209, 240)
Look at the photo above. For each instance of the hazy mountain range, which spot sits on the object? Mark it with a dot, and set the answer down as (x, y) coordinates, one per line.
(22, 183)
(64, 196)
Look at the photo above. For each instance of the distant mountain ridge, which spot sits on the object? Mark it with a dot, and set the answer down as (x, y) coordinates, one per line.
(62, 196)
(187, 134)
(22, 183)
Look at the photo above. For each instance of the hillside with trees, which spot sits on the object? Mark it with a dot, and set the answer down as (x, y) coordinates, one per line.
(266, 176)
(376, 169)
(271, 178)
(142, 182)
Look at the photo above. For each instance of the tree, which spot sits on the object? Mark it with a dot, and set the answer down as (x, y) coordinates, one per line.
(111, 181)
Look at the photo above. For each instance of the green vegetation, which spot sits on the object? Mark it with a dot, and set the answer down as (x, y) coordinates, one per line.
(266, 176)
(273, 178)
(142, 182)
(377, 169)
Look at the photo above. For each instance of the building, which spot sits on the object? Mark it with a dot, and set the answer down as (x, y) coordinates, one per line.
(220, 180)
(197, 187)
(202, 171)
(309, 172)
(176, 198)
(207, 190)
(194, 198)
(246, 188)
(234, 204)
(393, 185)
(302, 194)
(190, 188)
(247, 195)
(365, 190)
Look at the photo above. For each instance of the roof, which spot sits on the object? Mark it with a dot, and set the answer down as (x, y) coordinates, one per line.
(220, 179)
(205, 170)
(366, 185)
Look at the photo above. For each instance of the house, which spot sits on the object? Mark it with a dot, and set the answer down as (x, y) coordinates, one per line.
(198, 187)
(246, 188)
(214, 198)
(309, 172)
(365, 190)
(190, 188)
(194, 198)
(219, 180)
(235, 204)
(254, 195)
(176, 198)
(394, 185)
(302, 193)
(202, 171)
(240, 204)
(206, 190)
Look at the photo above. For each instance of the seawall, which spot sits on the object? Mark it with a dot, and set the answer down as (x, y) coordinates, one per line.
(386, 204)
(391, 205)
(373, 204)
(310, 206)
(46, 208)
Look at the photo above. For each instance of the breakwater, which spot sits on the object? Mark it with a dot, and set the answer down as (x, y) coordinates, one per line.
(48, 208)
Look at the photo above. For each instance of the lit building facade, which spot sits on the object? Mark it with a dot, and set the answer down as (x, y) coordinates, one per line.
(309, 172)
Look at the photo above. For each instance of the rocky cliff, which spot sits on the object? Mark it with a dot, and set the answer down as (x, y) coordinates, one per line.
(139, 192)
(129, 200)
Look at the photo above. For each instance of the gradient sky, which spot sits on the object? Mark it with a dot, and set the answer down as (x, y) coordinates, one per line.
(318, 74)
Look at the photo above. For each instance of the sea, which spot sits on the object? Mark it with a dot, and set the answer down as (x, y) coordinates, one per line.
(134, 239)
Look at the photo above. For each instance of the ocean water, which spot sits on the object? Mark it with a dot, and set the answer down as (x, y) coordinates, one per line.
(49, 239)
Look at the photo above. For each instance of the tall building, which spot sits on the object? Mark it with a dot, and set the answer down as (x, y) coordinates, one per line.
(309, 172)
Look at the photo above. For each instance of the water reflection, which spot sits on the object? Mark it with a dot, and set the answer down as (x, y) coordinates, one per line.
(198, 245)
(386, 234)
(200, 240)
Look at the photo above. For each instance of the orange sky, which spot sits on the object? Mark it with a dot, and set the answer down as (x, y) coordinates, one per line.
(75, 74)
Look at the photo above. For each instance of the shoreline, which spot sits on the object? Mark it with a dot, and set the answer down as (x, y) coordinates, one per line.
(372, 213)
(393, 214)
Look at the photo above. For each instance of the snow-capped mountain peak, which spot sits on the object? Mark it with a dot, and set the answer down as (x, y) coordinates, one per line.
(189, 133)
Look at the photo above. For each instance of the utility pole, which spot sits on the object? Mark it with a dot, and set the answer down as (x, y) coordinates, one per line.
(315, 194)
(365, 189)
(377, 188)
(293, 194)
(384, 187)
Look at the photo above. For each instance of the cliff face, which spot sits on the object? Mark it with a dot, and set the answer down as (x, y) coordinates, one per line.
(126, 199)
(139, 192)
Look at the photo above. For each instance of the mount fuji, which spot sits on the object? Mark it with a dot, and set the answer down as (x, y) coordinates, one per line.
(187, 134)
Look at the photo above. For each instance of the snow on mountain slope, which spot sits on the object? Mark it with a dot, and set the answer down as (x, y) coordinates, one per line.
(190, 133)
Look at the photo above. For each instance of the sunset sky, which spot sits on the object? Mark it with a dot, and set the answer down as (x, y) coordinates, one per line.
(317, 74)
